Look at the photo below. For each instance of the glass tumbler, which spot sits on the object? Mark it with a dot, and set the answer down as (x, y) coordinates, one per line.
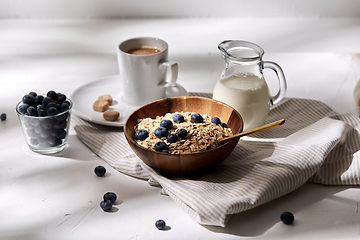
(46, 135)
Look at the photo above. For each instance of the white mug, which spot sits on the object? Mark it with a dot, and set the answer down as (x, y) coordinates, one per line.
(144, 77)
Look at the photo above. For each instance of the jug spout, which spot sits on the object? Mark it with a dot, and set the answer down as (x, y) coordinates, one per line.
(240, 50)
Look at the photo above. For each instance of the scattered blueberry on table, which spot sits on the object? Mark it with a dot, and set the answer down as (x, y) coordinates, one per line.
(100, 171)
(110, 196)
(106, 205)
(160, 224)
(3, 117)
(287, 217)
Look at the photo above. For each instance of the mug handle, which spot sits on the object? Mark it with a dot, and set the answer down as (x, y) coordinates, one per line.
(281, 79)
(174, 69)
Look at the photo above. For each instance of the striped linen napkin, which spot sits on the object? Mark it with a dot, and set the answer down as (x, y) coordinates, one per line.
(314, 145)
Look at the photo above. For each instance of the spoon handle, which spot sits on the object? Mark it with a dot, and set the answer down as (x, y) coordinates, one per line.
(258, 129)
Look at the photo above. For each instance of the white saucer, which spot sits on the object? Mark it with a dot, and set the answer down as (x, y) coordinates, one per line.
(84, 97)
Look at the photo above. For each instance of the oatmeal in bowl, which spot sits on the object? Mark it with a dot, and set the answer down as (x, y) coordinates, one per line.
(178, 136)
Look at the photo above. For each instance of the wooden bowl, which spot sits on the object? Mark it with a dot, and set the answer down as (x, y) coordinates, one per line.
(187, 163)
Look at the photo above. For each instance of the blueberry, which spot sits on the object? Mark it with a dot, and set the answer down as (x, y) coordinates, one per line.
(61, 97)
(64, 107)
(141, 134)
(34, 122)
(110, 196)
(165, 151)
(45, 133)
(203, 150)
(32, 134)
(54, 141)
(59, 124)
(46, 101)
(23, 108)
(160, 224)
(106, 205)
(161, 132)
(42, 113)
(196, 118)
(62, 117)
(50, 104)
(28, 99)
(34, 94)
(47, 123)
(168, 124)
(39, 106)
(160, 146)
(100, 171)
(181, 133)
(216, 120)
(287, 217)
(171, 138)
(178, 118)
(34, 142)
(3, 117)
(52, 94)
(31, 111)
(59, 133)
(52, 111)
(38, 99)
(39, 129)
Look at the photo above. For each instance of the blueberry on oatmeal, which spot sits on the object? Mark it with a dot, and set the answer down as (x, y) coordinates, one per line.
(161, 132)
(172, 138)
(196, 118)
(141, 134)
(160, 146)
(216, 120)
(178, 118)
(168, 124)
(181, 133)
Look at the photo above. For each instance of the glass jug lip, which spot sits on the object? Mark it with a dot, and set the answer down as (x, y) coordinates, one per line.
(240, 50)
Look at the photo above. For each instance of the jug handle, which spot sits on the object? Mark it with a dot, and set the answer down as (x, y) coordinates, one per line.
(281, 79)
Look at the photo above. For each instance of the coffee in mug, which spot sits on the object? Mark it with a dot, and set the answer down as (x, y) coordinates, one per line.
(144, 51)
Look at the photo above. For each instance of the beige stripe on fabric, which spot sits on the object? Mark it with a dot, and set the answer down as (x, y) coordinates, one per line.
(315, 144)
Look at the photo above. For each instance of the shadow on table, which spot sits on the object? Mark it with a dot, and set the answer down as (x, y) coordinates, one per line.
(259, 220)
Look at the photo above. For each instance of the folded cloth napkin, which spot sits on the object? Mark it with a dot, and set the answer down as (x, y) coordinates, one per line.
(314, 145)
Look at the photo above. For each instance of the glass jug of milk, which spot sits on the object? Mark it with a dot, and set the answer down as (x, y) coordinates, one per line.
(242, 84)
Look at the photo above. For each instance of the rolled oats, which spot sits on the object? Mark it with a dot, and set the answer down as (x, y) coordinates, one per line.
(200, 135)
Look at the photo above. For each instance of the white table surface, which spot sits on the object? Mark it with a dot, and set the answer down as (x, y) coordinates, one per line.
(57, 197)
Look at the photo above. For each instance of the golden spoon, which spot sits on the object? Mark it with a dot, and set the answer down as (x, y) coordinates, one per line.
(258, 129)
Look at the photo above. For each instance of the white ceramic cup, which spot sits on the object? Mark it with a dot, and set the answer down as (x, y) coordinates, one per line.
(145, 77)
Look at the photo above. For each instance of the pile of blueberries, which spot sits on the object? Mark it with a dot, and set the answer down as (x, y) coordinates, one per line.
(166, 125)
(47, 123)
